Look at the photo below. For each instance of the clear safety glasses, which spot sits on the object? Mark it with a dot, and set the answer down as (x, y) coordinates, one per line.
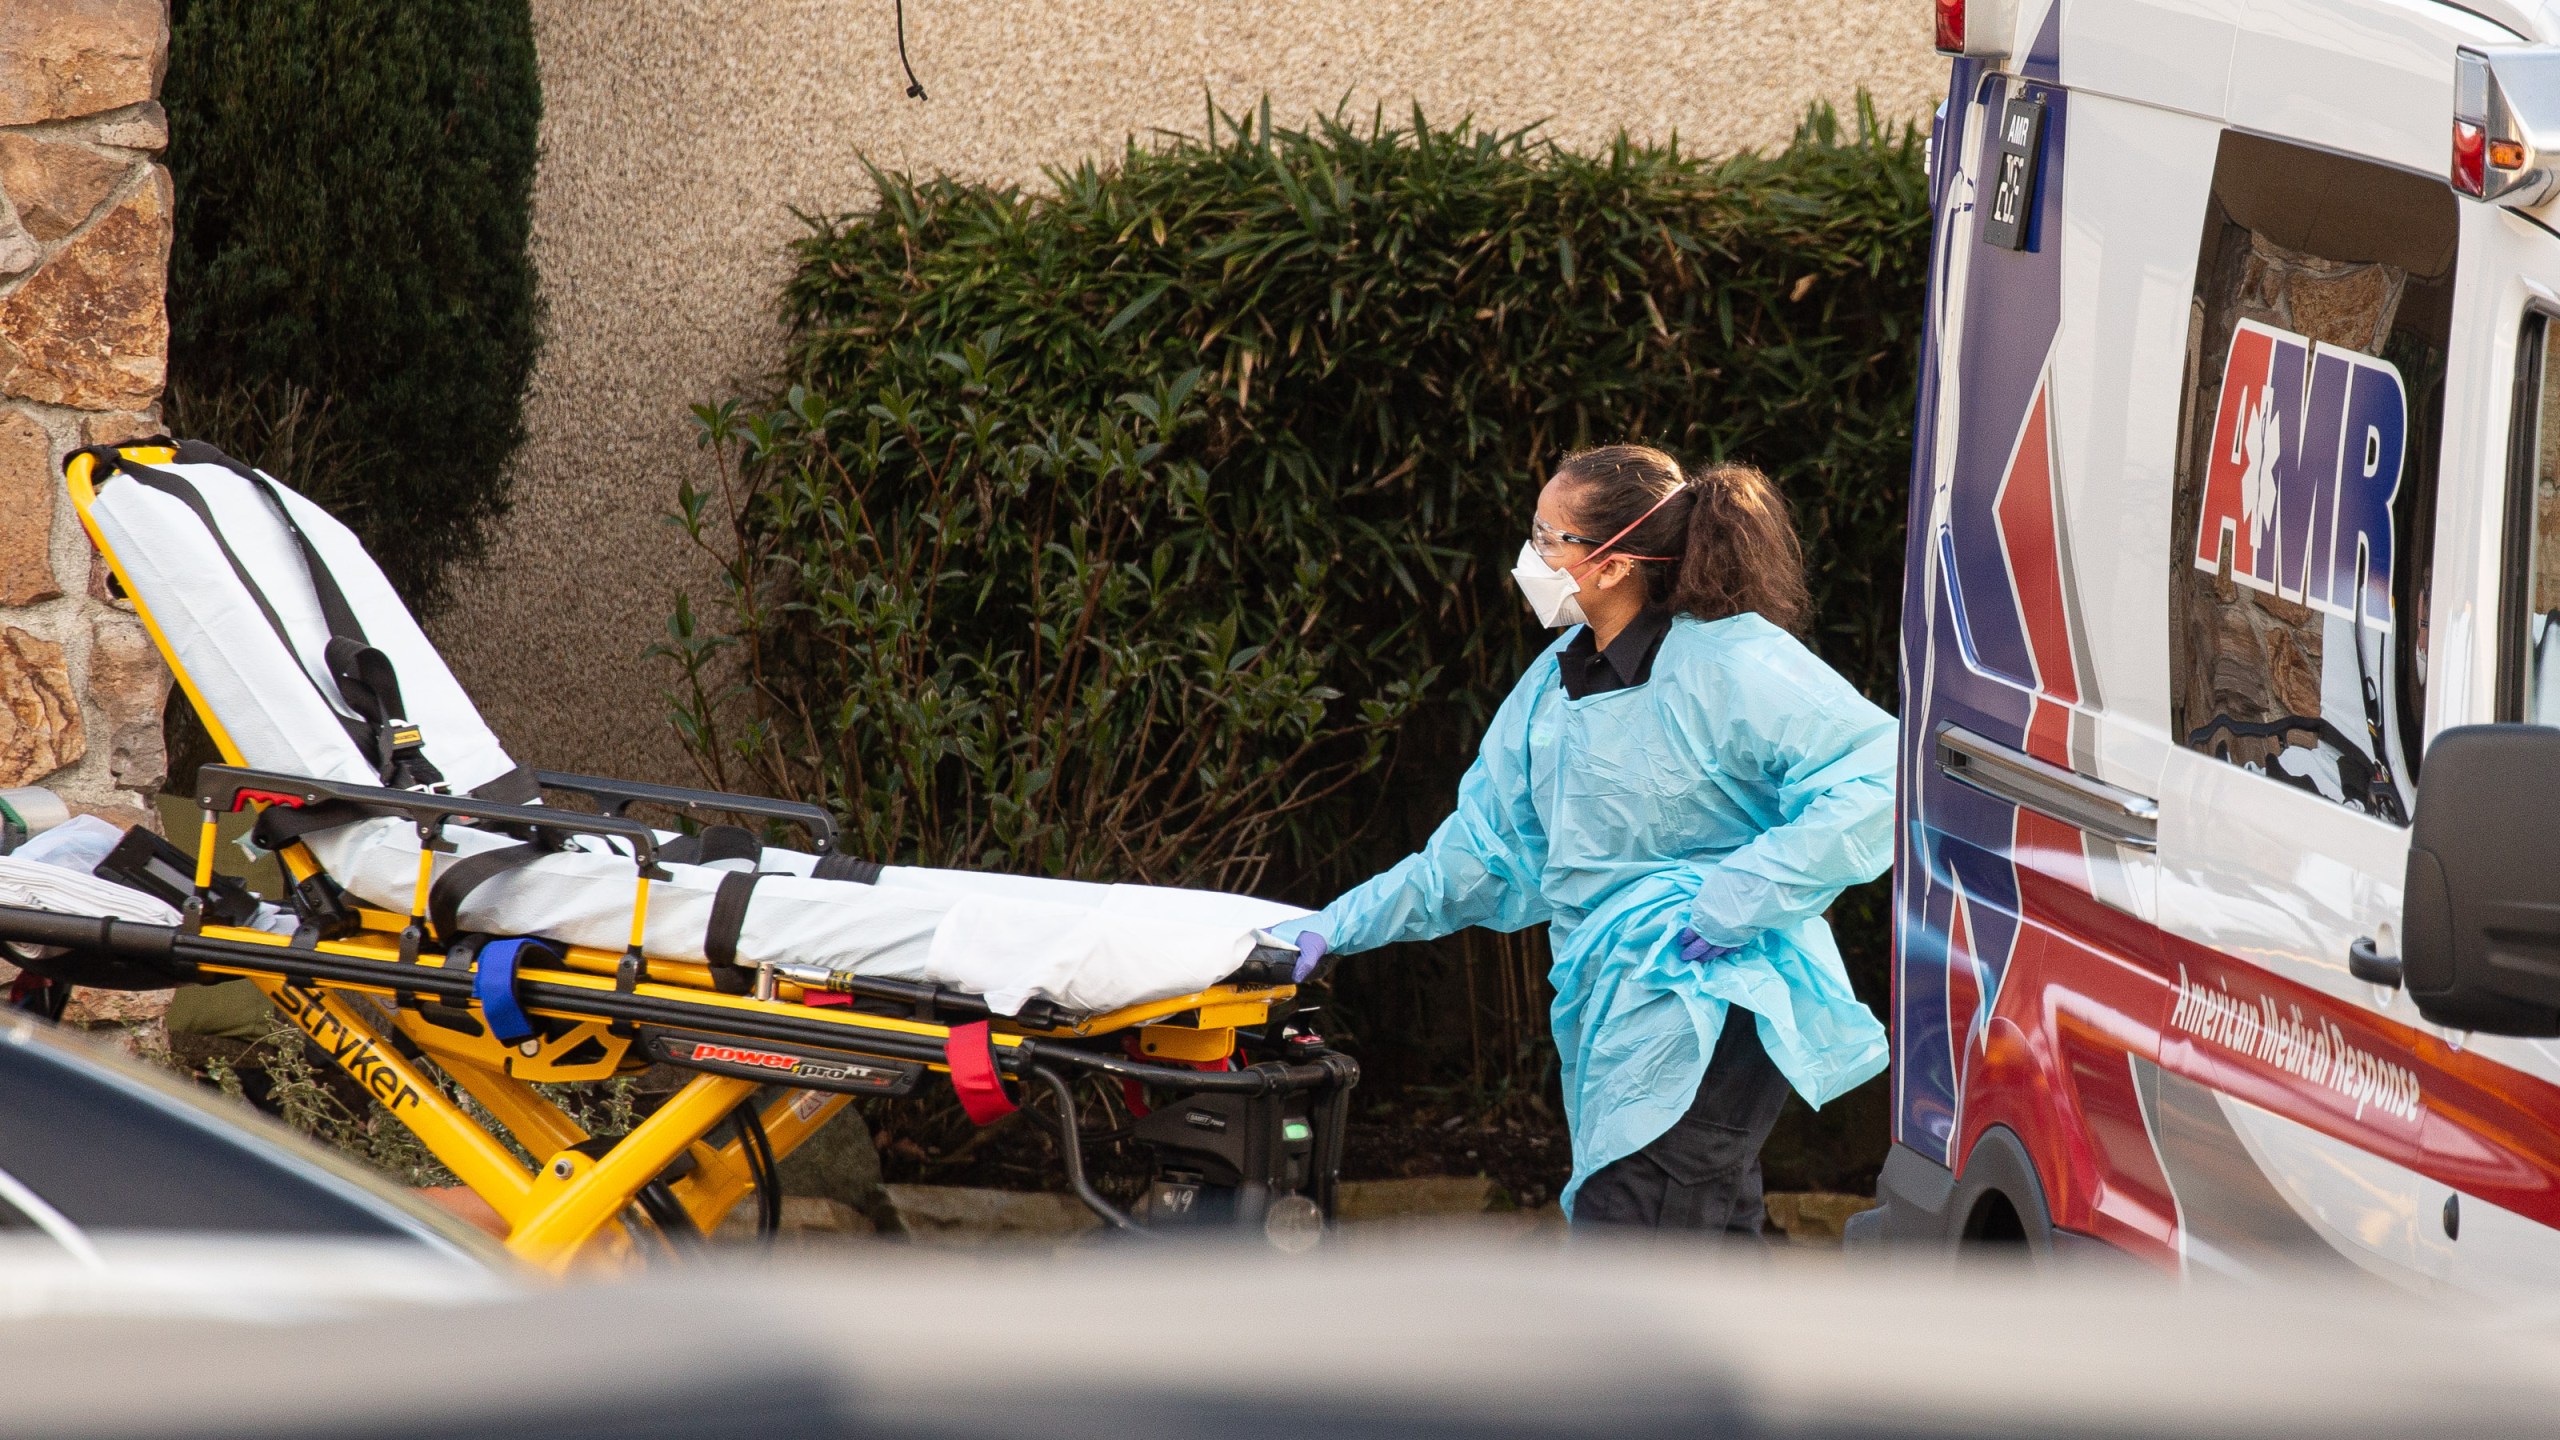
(1547, 539)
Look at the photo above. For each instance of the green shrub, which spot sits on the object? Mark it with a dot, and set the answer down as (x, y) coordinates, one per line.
(993, 646)
(350, 293)
(1156, 526)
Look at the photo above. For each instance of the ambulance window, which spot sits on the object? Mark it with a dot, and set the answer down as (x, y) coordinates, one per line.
(2529, 678)
(2302, 531)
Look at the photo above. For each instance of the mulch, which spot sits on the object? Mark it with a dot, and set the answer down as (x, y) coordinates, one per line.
(1528, 1157)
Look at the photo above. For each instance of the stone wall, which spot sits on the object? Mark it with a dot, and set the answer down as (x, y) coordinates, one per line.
(679, 135)
(84, 337)
(84, 253)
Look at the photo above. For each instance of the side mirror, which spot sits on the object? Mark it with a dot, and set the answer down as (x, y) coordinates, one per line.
(2480, 920)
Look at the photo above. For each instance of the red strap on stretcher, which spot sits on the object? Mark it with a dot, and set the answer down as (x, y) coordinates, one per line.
(971, 1054)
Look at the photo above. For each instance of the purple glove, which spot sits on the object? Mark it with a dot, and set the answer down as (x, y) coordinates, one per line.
(1698, 951)
(1311, 952)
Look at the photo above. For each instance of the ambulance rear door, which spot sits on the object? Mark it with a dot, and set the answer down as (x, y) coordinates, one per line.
(2339, 461)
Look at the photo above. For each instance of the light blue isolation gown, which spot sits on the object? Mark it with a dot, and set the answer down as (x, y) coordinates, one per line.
(1735, 793)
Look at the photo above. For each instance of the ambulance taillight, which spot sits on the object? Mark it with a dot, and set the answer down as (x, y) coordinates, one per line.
(2506, 120)
(2471, 122)
(1979, 28)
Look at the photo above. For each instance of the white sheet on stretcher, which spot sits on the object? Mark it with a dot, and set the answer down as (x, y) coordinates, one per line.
(1008, 938)
(36, 885)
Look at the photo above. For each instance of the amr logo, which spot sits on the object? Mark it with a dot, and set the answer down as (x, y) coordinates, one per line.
(2308, 444)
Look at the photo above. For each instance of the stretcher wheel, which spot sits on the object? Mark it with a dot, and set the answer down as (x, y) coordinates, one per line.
(1294, 1224)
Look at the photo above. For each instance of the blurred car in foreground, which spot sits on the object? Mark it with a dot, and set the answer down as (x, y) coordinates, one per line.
(119, 1184)
(1135, 1340)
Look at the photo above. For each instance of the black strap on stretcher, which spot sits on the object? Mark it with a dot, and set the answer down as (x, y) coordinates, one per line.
(720, 939)
(729, 907)
(714, 844)
(516, 787)
(445, 897)
(836, 865)
(367, 702)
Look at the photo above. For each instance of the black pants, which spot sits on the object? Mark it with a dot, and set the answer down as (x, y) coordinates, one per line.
(1704, 1172)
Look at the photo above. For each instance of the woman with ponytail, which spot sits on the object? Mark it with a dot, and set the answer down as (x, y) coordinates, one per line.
(1679, 789)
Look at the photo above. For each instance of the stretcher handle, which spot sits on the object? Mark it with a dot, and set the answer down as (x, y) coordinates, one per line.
(1267, 965)
(617, 795)
(225, 788)
(134, 940)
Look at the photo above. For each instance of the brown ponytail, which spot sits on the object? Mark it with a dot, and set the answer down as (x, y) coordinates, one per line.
(1729, 543)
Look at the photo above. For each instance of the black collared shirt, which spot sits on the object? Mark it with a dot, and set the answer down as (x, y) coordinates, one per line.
(1628, 662)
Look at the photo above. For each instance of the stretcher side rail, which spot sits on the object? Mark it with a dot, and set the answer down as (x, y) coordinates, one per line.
(616, 796)
(223, 789)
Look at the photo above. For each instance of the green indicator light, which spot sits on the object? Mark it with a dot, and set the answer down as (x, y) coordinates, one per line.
(1295, 1130)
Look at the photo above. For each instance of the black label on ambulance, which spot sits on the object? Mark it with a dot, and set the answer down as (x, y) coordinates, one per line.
(2020, 157)
(782, 1064)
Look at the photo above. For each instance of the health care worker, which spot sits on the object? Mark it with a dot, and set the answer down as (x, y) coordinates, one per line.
(1679, 789)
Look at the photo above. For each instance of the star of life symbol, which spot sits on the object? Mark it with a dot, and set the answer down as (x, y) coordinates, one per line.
(2261, 442)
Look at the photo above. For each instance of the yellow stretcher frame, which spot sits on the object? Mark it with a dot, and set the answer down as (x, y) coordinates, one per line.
(561, 1210)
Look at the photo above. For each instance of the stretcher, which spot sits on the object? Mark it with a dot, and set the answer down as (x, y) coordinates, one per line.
(455, 934)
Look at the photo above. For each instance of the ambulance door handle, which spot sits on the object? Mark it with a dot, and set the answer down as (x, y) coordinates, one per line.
(2107, 811)
(2366, 962)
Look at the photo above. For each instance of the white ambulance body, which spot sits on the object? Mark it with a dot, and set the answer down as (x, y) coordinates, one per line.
(2237, 488)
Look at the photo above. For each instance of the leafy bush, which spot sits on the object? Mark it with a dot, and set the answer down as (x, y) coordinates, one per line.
(990, 646)
(349, 287)
(1156, 526)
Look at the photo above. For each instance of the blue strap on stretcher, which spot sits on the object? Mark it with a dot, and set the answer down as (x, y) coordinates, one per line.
(493, 983)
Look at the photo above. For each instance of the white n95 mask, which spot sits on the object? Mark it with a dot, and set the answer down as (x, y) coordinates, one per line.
(1550, 591)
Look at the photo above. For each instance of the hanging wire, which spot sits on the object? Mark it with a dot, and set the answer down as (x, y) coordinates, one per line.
(915, 87)
(757, 1149)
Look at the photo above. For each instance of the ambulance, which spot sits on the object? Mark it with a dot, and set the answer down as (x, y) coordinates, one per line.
(2228, 888)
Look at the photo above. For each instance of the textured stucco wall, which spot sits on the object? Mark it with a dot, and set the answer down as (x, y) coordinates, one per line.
(678, 135)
